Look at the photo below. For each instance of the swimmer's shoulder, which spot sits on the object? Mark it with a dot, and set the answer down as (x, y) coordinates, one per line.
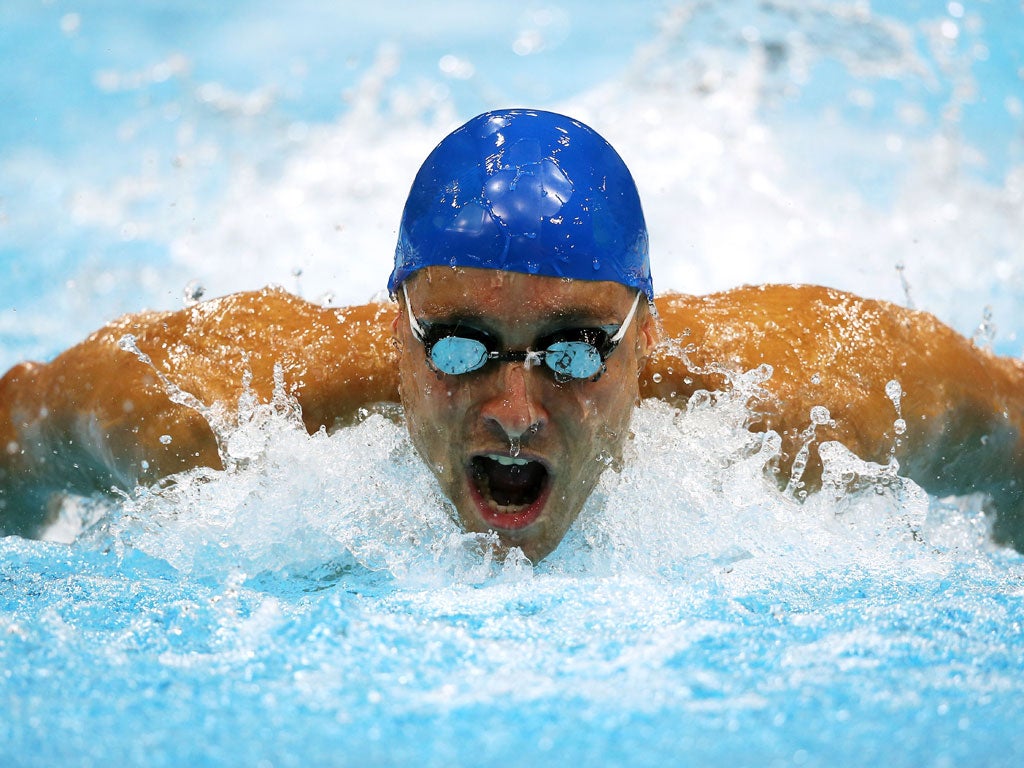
(778, 305)
(791, 326)
(252, 318)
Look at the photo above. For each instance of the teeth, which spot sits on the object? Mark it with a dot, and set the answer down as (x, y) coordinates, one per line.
(505, 509)
(508, 461)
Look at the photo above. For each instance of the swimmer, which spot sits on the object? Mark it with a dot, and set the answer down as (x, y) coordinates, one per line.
(523, 331)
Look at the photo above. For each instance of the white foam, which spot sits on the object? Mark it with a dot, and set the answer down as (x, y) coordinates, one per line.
(695, 493)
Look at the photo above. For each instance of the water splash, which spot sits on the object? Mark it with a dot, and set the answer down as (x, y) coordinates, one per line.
(820, 416)
(193, 293)
(985, 334)
(894, 391)
(908, 299)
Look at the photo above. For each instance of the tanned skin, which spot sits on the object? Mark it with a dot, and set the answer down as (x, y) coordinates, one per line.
(93, 418)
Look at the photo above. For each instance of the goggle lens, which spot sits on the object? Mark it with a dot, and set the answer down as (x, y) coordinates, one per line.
(576, 359)
(457, 355)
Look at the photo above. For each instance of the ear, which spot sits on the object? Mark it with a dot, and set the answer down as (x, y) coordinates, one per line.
(398, 318)
(647, 338)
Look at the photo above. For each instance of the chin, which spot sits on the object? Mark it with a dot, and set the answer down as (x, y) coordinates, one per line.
(536, 528)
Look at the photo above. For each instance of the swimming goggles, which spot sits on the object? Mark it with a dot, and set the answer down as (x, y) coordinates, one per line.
(572, 353)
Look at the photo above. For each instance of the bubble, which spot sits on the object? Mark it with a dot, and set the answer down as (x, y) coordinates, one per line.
(894, 392)
(70, 23)
(656, 378)
(456, 67)
(166, 439)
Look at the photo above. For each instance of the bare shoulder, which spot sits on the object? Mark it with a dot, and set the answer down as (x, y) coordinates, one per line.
(809, 308)
(253, 320)
(208, 347)
(795, 326)
(333, 360)
(834, 348)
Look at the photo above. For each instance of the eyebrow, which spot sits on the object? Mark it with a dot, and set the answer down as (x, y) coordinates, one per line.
(569, 313)
(562, 318)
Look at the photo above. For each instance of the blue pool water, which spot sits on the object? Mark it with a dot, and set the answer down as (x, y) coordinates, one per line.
(315, 605)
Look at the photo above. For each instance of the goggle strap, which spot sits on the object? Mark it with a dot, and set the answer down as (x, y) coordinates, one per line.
(621, 333)
(414, 325)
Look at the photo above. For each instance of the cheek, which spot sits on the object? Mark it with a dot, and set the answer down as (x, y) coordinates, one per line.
(605, 412)
(416, 388)
(431, 412)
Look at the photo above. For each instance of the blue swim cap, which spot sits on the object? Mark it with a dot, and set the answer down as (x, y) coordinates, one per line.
(525, 191)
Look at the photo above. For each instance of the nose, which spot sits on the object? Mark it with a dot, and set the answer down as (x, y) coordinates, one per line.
(514, 408)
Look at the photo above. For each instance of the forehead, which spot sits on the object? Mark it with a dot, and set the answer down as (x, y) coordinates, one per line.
(508, 296)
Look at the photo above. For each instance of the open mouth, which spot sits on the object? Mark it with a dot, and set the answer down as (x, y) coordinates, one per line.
(510, 492)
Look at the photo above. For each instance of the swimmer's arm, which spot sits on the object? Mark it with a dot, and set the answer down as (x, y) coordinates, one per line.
(963, 407)
(97, 417)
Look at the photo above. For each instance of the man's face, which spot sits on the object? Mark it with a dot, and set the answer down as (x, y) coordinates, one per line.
(515, 450)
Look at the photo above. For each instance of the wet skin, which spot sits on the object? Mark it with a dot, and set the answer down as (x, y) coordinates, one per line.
(475, 430)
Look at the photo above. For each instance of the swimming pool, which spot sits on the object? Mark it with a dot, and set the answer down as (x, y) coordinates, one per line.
(317, 606)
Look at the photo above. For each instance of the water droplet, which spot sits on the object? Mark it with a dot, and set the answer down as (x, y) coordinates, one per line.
(166, 439)
(127, 343)
(513, 446)
(816, 379)
(820, 414)
(985, 334)
(193, 292)
(894, 392)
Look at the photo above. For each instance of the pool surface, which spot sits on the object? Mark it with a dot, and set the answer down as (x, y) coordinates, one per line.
(316, 605)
